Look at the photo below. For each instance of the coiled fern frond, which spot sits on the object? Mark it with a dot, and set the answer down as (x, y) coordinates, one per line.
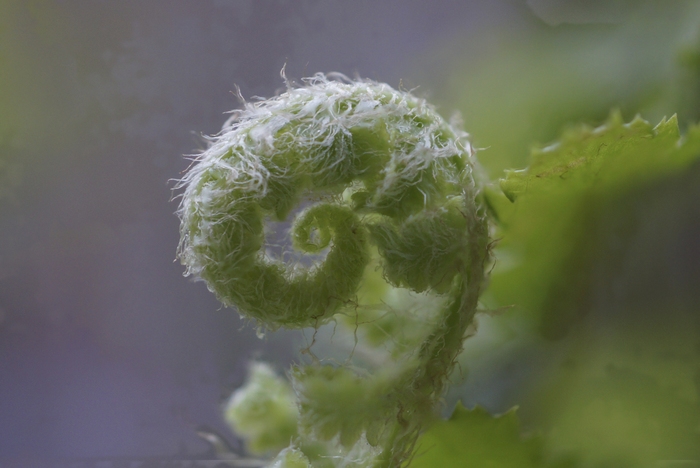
(382, 189)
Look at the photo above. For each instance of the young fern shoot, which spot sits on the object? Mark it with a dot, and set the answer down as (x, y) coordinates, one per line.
(381, 184)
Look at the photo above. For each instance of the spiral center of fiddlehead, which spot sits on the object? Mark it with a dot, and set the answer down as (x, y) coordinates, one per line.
(397, 190)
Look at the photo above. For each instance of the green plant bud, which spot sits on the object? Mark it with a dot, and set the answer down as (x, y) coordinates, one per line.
(263, 411)
(379, 159)
(388, 233)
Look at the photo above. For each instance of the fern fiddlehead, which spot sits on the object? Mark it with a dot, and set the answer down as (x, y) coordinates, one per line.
(386, 185)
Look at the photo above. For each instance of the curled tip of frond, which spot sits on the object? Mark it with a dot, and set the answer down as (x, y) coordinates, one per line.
(367, 149)
(369, 174)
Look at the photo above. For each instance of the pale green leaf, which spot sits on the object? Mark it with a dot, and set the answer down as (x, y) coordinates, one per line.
(551, 233)
(477, 439)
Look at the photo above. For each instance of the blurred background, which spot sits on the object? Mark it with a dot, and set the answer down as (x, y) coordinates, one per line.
(107, 351)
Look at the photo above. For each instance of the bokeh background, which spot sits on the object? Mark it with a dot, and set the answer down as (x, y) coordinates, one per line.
(107, 351)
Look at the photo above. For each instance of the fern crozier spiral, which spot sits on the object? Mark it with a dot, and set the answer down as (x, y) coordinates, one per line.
(390, 170)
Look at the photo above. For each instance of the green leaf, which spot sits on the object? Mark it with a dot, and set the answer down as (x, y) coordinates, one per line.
(614, 156)
(477, 439)
(551, 233)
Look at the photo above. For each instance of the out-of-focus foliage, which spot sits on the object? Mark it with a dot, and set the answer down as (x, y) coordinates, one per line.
(40, 87)
(624, 392)
(551, 232)
(263, 411)
(477, 439)
(33, 110)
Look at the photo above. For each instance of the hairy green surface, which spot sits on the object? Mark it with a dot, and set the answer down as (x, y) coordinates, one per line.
(365, 150)
(334, 401)
(390, 238)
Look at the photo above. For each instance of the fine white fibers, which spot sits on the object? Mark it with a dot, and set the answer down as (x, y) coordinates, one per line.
(327, 107)
(392, 150)
(384, 188)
